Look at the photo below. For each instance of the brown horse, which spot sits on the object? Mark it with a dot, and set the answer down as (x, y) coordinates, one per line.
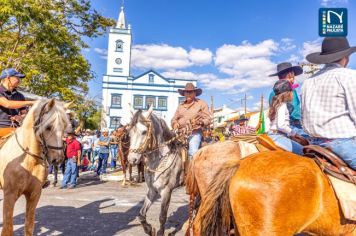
(124, 146)
(25, 156)
(205, 165)
(273, 193)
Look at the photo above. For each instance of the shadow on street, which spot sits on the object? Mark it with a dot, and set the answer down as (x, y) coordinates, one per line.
(86, 220)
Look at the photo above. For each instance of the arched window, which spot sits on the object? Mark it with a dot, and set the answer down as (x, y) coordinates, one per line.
(119, 45)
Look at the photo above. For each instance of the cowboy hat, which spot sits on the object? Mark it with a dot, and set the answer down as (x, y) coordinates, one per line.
(332, 49)
(190, 87)
(287, 66)
(242, 118)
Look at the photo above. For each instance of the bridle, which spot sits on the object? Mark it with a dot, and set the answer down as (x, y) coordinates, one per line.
(45, 147)
(146, 147)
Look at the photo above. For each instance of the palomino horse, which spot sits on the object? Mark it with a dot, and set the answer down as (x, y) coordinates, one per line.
(124, 146)
(274, 193)
(151, 138)
(205, 165)
(25, 156)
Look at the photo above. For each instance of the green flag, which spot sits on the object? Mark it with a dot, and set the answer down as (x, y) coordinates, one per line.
(261, 123)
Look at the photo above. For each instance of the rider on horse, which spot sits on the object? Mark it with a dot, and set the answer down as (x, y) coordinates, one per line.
(329, 100)
(12, 103)
(191, 117)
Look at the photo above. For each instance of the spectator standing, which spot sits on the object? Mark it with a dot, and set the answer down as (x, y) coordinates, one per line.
(95, 146)
(73, 153)
(113, 149)
(104, 142)
(87, 143)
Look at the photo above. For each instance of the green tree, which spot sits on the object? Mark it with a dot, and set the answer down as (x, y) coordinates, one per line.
(44, 39)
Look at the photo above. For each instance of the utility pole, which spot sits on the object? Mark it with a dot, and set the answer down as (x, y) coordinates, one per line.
(212, 109)
(245, 103)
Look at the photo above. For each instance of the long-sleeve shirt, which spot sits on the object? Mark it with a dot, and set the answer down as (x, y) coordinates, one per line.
(329, 103)
(281, 122)
(185, 113)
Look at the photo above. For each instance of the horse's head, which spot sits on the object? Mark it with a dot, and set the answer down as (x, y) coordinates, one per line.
(49, 122)
(141, 135)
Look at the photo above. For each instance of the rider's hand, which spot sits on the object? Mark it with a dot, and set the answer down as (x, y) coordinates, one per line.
(175, 126)
(17, 118)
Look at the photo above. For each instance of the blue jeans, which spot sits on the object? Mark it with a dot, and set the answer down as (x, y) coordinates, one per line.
(70, 174)
(345, 148)
(113, 151)
(95, 153)
(103, 162)
(194, 143)
(286, 143)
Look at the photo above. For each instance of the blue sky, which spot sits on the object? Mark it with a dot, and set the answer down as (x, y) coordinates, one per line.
(230, 46)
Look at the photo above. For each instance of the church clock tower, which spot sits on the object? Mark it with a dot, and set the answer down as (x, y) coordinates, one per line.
(119, 48)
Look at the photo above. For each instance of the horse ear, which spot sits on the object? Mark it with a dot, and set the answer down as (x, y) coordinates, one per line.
(50, 104)
(68, 104)
(132, 111)
(149, 112)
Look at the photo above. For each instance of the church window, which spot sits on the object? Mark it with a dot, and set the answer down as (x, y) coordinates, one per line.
(150, 100)
(119, 45)
(116, 100)
(138, 102)
(162, 103)
(115, 121)
(151, 78)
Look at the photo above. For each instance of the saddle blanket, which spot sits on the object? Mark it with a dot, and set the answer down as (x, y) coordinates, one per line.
(247, 148)
(346, 194)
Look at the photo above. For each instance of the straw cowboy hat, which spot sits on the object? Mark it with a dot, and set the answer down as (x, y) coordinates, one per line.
(190, 87)
(285, 67)
(332, 49)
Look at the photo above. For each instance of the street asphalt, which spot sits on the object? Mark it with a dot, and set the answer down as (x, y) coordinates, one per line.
(97, 207)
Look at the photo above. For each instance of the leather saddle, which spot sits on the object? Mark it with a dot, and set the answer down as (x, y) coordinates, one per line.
(267, 142)
(5, 134)
(330, 163)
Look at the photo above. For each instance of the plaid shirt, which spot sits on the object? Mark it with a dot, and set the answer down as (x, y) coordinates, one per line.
(329, 103)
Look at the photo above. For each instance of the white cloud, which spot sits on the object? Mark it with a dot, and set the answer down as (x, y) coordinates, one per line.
(293, 59)
(202, 78)
(328, 3)
(310, 47)
(103, 53)
(200, 57)
(166, 57)
(287, 44)
(247, 65)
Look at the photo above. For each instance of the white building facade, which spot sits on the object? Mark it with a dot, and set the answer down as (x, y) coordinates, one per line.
(120, 89)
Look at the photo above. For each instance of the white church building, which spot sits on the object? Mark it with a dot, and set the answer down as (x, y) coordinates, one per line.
(121, 89)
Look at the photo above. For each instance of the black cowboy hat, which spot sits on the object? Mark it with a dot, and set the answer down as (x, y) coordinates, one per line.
(242, 118)
(190, 87)
(285, 67)
(332, 49)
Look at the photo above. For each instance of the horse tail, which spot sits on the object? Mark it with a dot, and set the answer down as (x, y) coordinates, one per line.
(192, 189)
(216, 210)
(191, 185)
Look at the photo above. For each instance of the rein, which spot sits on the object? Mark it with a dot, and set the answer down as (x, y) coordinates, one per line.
(45, 147)
(26, 150)
(147, 148)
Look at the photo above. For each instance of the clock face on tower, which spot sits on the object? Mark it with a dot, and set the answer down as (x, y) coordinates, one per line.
(118, 61)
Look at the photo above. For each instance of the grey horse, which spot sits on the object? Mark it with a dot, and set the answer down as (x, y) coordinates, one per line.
(151, 141)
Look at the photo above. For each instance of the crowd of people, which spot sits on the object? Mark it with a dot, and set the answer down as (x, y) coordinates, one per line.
(87, 151)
